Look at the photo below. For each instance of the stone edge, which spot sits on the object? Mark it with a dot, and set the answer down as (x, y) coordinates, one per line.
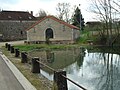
(20, 77)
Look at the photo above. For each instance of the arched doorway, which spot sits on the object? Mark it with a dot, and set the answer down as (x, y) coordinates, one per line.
(49, 33)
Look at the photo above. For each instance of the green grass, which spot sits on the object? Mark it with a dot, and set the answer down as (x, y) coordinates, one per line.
(43, 46)
(82, 40)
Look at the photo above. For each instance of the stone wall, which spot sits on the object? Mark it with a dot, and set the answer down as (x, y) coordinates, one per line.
(14, 30)
(61, 32)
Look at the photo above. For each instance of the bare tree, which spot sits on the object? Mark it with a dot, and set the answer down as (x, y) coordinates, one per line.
(63, 10)
(41, 13)
(105, 10)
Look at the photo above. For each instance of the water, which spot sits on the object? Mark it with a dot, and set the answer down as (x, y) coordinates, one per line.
(94, 69)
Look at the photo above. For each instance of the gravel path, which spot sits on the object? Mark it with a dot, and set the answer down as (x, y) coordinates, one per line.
(12, 42)
(7, 80)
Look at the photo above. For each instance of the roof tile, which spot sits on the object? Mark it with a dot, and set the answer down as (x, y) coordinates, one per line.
(16, 15)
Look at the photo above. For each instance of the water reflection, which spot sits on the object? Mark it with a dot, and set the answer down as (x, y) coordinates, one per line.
(50, 56)
(59, 59)
(94, 68)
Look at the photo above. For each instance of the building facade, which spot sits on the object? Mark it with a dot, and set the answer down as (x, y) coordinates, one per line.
(14, 23)
(52, 29)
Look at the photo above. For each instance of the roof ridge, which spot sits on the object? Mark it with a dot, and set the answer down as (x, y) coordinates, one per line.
(56, 19)
(15, 15)
(14, 11)
(65, 23)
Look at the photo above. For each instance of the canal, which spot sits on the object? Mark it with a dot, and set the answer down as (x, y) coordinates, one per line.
(95, 68)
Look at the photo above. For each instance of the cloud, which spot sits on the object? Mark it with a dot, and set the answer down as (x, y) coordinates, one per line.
(9, 1)
(30, 5)
(5, 4)
(48, 5)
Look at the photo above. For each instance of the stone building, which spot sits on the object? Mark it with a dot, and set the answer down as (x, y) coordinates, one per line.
(14, 23)
(53, 30)
(92, 24)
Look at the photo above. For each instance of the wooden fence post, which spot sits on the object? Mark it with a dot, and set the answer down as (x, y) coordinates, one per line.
(9, 47)
(17, 52)
(23, 57)
(35, 65)
(6, 45)
(60, 81)
(12, 49)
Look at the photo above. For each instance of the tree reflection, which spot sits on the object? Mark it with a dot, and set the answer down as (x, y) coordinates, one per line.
(108, 71)
(80, 57)
(50, 56)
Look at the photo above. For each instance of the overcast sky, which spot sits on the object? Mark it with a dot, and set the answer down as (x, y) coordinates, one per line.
(48, 5)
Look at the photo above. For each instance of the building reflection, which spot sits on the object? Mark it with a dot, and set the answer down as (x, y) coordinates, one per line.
(60, 59)
(50, 56)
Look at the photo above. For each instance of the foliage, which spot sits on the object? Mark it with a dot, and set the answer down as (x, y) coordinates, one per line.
(78, 19)
(85, 35)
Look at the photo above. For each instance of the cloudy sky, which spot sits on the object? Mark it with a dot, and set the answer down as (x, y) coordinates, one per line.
(48, 5)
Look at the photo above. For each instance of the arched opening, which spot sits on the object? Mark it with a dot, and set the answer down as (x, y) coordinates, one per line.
(49, 33)
(21, 32)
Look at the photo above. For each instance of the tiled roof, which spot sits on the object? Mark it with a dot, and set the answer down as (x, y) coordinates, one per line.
(56, 19)
(16, 15)
(93, 22)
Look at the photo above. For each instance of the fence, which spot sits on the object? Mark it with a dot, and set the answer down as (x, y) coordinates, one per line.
(60, 77)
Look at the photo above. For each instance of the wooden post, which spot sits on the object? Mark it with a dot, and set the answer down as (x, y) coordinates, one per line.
(9, 47)
(25, 42)
(35, 65)
(12, 49)
(17, 52)
(60, 81)
(6, 45)
(23, 57)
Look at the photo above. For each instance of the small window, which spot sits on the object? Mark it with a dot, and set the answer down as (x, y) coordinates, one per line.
(63, 28)
(21, 32)
(9, 17)
(34, 30)
(20, 17)
(30, 17)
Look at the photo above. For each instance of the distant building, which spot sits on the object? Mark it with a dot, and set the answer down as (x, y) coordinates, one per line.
(93, 23)
(14, 23)
(55, 30)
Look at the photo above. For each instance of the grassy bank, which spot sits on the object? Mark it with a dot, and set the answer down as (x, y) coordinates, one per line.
(36, 80)
(44, 46)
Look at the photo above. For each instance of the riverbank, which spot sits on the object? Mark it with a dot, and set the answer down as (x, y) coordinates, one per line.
(37, 80)
(28, 47)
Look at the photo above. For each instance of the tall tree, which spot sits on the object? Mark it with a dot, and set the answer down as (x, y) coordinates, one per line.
(78, 19)
(63, 10)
